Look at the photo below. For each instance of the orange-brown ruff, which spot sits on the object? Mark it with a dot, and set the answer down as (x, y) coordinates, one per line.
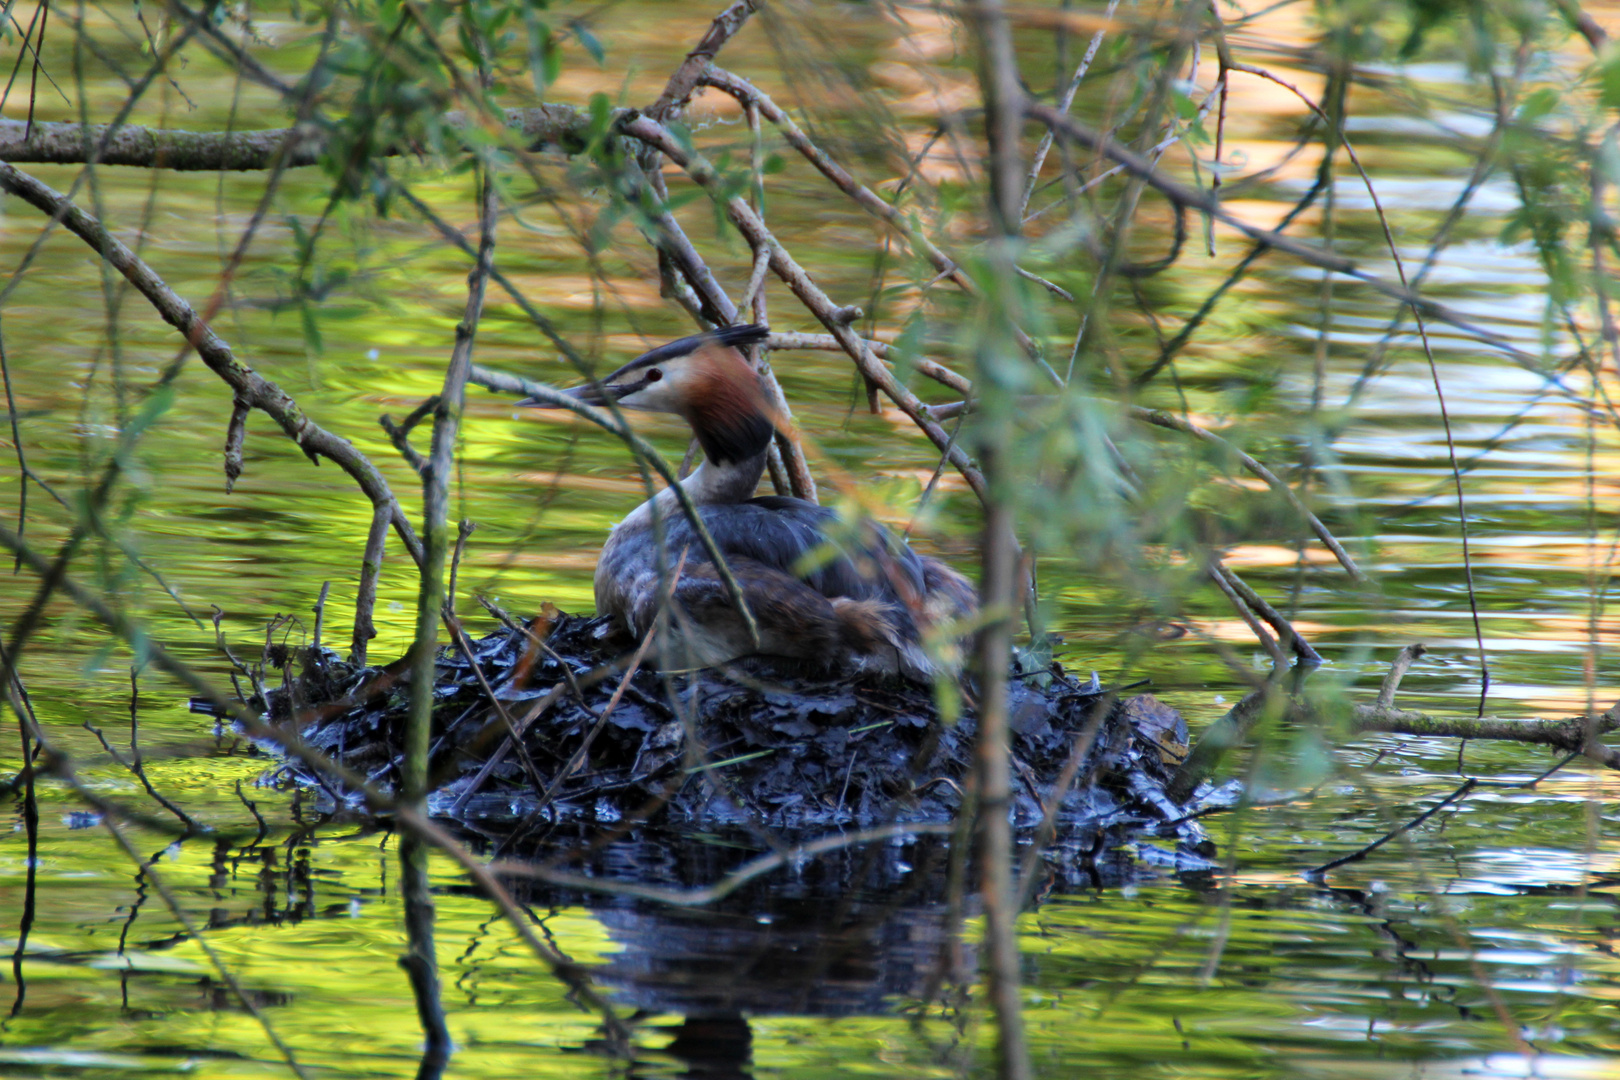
(863, 606)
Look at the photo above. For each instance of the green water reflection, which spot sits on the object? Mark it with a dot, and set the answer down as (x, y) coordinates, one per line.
(1267, 976)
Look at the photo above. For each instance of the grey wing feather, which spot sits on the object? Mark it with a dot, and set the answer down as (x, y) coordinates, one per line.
(778, 532)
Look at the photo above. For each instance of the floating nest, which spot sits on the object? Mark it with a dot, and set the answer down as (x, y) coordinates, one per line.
(755, 745)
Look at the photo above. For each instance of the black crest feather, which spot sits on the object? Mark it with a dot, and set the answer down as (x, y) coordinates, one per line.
(735, 439)
(734, 336)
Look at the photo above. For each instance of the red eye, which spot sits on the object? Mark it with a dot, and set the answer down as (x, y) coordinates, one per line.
(653, 374)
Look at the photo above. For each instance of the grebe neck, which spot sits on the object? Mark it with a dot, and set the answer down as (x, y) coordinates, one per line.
(710, 484)
(714, 483)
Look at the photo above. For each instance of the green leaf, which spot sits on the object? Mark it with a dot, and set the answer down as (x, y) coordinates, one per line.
(1186, 107)
(1538, 104)
(683, 137)
(157, 403)
(601, 115)
(553, 60)
(583, 35)
(680, 199)
(1609, 78)
(311, 328)
(542, 57)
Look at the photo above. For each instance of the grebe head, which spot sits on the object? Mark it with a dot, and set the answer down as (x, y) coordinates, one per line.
(704, 380)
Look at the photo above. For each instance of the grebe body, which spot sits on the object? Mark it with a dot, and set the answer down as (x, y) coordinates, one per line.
(836, 598)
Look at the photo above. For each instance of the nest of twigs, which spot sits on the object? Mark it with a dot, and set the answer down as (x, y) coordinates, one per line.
(754, 744)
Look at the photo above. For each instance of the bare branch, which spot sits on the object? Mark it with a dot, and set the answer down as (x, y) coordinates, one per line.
(501, 382)
(1577, 733)
(1004, 121)
(686, 77)
(235, 437)
(534, 127)
(1397, 671)
(1218, 574)
(1160, 418)
(365, 600)
(246, 384)
(284, 737)
(808, 292)
(880, 349)
(1270, 615)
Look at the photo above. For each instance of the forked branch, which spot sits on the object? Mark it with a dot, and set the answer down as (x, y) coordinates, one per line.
(249, 389)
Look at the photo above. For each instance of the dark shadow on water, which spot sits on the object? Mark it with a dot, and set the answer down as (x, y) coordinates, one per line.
(719, 1047)
(868, 930)
(860, 932)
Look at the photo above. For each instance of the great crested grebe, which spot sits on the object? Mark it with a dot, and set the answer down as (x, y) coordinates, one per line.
(818, 596)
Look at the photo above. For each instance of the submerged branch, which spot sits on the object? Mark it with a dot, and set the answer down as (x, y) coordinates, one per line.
(1576, 733)
(1362, 853)
(1225, 733)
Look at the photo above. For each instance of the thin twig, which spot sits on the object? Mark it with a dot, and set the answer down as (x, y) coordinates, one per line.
(284, 737)
(505, 383)
(314, 440)
(578, 757)
(459, 636)
(1065, 102)
(1160, 418)
(1357, 856)
(1194, 199)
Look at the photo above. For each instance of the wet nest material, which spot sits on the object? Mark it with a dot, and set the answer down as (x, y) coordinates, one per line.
(753, 745)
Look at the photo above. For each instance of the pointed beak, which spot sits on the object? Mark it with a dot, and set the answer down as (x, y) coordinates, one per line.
(621, 384)
(599, 393)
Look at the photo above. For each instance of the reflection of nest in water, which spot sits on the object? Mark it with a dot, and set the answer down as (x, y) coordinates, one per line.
(754, 744)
